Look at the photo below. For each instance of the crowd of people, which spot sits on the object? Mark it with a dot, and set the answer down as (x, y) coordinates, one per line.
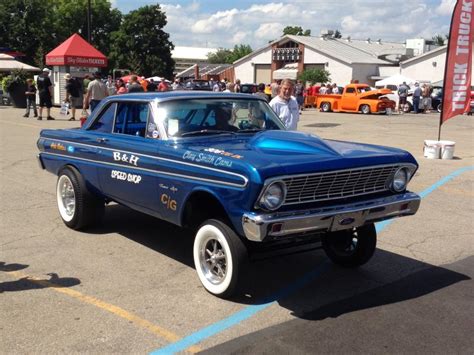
(286, 97)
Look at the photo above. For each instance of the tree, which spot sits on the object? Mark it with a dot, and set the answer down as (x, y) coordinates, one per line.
(296, 30)
(141, 44)
(227, 56)
(35, 27)
(23, 26)
(315, 76)
(240, 51)
(337, 34)
(439, 39)
(71, 17)
(221, 56)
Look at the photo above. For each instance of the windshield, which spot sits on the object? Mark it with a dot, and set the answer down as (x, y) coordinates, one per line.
(363, 89)
(193, 117)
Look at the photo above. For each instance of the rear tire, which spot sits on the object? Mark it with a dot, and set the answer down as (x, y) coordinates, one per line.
(220, 258)
(78, 208)
(365, 109)
(325, 107)
(351, 248)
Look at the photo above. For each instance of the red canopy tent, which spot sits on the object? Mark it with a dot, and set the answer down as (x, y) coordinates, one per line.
(76, 51)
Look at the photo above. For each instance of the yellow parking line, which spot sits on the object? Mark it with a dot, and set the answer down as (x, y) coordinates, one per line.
(157, 330)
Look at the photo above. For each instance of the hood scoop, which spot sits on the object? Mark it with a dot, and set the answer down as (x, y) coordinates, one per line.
(285, 142)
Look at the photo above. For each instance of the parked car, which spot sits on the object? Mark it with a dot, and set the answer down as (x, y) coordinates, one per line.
(198, 84)
(436, 98)
(248, 88)
(356, 98)
(223, 165)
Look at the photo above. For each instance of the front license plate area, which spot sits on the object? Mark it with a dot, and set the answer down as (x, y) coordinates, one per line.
(347, 220)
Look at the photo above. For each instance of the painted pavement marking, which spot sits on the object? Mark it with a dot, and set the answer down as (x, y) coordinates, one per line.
(143, 323)
(252, 310)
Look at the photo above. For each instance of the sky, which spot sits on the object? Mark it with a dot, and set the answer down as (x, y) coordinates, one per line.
(226, 23)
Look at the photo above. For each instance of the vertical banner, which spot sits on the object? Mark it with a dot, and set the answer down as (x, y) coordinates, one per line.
(457, 76)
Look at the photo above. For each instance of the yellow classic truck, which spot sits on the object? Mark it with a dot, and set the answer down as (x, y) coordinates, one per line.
(356, 98)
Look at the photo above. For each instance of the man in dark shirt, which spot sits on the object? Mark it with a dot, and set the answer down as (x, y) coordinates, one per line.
(72, 94)
(30, 98)
(261, 91)
(133, 85)
(45, 88)
(151, 86)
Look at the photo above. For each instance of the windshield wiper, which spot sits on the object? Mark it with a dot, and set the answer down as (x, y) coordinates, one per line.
(206, 131)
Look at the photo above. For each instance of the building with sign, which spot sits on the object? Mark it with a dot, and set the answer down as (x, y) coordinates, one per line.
(75, 56)
(345, 59)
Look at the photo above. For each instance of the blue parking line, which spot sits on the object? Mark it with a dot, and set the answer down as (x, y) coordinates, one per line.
(251, 310)
(382, 225)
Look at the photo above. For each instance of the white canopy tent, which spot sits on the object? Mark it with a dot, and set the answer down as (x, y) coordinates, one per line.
(8, 63)
(155, 78)
(289, 71)
(396, 79)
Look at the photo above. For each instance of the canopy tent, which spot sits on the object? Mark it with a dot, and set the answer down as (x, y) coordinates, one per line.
(76, 51)
(396, 79)
(155, 78)
(8, 63)
(289, 71)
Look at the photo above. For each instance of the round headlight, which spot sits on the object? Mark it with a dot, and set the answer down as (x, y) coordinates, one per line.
(400, 180)
(274, 196)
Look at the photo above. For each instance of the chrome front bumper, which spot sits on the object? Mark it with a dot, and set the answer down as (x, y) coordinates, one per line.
(258, 226)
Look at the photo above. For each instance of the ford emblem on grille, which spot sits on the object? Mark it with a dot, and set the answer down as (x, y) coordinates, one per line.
(346, 221)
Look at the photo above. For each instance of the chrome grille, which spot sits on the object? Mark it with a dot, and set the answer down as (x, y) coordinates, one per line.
(337, 184)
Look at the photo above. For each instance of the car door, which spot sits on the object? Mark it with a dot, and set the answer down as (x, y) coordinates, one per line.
(126, 150)
(349, 99)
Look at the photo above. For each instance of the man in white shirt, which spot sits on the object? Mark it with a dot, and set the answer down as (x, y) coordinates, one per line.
(285, 105)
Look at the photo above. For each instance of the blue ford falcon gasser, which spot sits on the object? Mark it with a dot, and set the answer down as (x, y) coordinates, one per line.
(224, 165)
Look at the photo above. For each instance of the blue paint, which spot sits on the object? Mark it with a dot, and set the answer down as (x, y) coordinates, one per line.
(251, 310)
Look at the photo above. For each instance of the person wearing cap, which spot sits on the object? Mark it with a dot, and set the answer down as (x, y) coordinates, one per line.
(96, 91)
(72, 95)
(45, 88)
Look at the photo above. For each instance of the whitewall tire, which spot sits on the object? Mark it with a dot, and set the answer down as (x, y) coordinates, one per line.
(219, 258)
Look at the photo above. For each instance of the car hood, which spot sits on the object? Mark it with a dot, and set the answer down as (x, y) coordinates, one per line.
(273, 153)
(375, 94)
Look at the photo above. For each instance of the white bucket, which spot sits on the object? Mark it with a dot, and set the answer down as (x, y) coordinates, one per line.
(431, 149)
(447, 149)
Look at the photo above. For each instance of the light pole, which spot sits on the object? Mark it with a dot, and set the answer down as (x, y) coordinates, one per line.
(89, 21)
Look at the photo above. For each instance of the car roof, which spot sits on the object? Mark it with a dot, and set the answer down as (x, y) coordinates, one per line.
(181, 94)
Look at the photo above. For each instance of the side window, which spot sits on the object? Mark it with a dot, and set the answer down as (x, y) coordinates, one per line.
(197, 117)
(350, 91)
(131, 118)
(105, 120)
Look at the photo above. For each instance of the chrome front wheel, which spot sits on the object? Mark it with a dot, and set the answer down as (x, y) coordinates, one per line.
(218, 257)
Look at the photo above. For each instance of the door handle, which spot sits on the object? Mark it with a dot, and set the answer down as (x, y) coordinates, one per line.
(101, 140)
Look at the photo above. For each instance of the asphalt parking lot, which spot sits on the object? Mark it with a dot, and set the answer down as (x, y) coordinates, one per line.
(129, 286)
